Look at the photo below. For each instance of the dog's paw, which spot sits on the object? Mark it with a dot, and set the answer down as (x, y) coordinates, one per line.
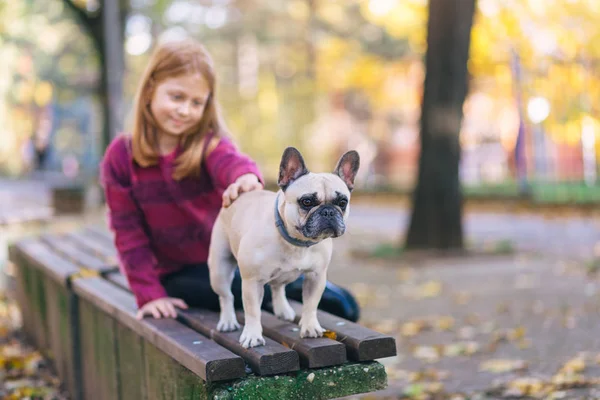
(228, 324)
(251, 338)
(311, 329)
(286, 312)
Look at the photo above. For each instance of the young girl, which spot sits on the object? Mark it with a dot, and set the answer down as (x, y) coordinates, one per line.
(166, 182)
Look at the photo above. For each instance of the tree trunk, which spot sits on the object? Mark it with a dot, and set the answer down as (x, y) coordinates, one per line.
(436, 221)
(113, 69)
(106, 30)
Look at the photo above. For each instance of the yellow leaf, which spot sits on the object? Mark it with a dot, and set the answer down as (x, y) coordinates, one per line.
(330, 335)
(517, 333)
(502, 365)
(431, 289)
(412, 328)
(427, 353)
(445, 323)
(574, 365)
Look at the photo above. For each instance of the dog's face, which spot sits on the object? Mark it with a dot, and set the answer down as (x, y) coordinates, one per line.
(317, 205)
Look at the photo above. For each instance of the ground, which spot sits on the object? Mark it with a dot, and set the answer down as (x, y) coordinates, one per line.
(485, 326)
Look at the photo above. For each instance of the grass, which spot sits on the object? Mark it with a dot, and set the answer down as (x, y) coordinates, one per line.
(391, 251)
(539, 192)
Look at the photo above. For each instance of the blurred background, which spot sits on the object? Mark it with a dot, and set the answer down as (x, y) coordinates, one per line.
(324, 75)
(507, 180)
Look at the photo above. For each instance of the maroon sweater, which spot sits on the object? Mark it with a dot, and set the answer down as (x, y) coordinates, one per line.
(161, 224)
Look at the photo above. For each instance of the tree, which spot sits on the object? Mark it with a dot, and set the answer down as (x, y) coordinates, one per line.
(106, 26)
(436, 220)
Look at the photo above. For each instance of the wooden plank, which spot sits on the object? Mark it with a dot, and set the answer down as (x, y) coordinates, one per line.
(37, 294)
(313, 352)
(98, 352)
(264, 360)
(87, 326)
(77, 255)
(15, 256)
(166, 379)
(131, 361)
(362, 344)
(270, 359)
(107, 253)
(100, 232)
(44, 267)
(57, 353)
(202, 356)
(118, 279)
(41, 257)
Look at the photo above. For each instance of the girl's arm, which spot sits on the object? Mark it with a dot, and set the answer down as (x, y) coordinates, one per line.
(225, 164)
(127, 222)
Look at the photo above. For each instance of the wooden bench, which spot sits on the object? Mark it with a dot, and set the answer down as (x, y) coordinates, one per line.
(78, 310)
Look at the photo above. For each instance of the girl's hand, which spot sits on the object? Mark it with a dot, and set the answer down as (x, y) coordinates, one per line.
(245, 183)
(163, 307)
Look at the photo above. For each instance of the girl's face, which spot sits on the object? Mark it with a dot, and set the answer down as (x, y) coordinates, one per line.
(178, 103)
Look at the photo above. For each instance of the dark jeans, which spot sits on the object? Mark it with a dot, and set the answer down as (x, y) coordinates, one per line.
(192, 284)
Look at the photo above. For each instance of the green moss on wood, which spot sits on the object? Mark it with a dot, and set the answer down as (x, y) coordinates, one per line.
(314, 384)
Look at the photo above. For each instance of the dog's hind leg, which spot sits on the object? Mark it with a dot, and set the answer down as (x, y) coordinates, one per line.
(222, 267)
(281, 306)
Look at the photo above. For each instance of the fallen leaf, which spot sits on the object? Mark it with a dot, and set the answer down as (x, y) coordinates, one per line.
(387, 326)
(430, 289)
(461, 348)
(412, 328)
(503, 365)
(517, 333)
(332, 335)
(522, 387)
(445, 323)
(574, 365)
(427, 353)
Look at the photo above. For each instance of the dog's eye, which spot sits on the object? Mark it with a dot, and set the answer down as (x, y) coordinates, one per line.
(307, 202)
(343, 203)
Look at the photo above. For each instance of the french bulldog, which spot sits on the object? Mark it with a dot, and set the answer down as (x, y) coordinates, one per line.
(276, 237)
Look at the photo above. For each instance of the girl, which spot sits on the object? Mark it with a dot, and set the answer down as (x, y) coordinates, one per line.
(166, 182)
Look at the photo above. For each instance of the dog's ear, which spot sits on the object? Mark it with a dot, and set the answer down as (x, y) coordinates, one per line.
(291, 168)
(347, 168)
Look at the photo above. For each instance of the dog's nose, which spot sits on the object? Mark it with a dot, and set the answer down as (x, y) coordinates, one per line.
(327, 212)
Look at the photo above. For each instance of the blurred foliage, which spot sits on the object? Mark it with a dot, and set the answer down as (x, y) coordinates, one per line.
(48, 62)
(290, 71)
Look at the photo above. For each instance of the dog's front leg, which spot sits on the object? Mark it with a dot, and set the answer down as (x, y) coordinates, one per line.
(252, 296)
(312, 290)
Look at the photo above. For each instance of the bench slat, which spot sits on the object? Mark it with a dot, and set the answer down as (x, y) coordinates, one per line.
(313, 352)
(96, 247)
(199, 354)
(362, 344)
(118, 279)
(76, 254)
(270, 359)
(40, 256)
(100, 233)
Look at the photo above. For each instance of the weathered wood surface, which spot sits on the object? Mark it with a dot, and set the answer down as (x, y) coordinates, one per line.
(313, 352)
(105, 251)
(76, 254)
(40, 256)
(48, 307)
(270, 359)
(362, 344)
(199, 354)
